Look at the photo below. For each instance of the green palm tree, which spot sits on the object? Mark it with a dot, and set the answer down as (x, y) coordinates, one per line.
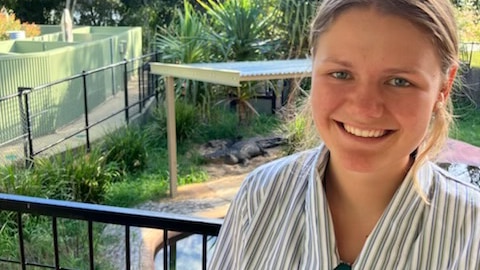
(238, 29)
(185, 41)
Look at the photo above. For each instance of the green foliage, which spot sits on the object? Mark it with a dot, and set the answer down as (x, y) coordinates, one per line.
(137, 190)
(295, 131)
(467, 121)
(14, 180)
(38, 239)
(99, 12)
(126, 148)
(70, 177)
(187, 121)
(31, 10)
(468, 19)
(191, 175)
(222, 124)
(184, 40)
(263, 125)
(238, 27)
(293, 26)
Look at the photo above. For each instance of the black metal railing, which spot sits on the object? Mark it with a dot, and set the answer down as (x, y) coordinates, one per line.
(92, 213)
(30, 118)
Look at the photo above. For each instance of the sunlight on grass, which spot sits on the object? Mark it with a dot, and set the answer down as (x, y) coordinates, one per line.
(467, 124)
(475, 59)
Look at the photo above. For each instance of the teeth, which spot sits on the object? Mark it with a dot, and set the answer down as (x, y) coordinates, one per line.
(366, 133)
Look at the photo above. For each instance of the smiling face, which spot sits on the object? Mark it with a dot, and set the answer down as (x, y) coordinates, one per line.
(375, 81)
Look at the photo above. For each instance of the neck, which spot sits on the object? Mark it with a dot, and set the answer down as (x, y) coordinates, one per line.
(363, 192)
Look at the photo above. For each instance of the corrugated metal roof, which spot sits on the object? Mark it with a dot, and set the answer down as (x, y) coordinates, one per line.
(233, 73)
(262, 68)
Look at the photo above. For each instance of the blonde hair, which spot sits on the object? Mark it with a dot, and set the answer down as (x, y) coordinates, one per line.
(437, 19)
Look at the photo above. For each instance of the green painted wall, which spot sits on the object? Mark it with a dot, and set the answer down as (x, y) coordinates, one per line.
(44, 59)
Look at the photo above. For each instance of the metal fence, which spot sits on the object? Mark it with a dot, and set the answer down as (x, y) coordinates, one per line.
(91, 214)
(67, 113)
(467, 49)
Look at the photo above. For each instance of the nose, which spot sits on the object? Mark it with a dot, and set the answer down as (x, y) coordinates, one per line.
(366, 101)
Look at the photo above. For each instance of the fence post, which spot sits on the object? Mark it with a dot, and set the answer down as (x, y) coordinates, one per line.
(140, 84)
(155, 80)
(125, 85)
(26, 124)
(171, 134)
(85, 108)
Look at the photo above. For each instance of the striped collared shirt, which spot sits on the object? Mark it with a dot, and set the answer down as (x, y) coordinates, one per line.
(280, 220)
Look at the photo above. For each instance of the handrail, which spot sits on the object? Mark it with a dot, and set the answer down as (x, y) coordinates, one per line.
(102, 214)
(109, 214)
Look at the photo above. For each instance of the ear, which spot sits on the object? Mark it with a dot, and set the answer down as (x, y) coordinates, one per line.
(445, 92)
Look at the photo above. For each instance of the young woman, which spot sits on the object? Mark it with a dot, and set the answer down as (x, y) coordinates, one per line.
(368, 197)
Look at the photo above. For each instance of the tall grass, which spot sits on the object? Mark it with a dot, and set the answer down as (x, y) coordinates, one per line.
(126, 148)
(38, 242)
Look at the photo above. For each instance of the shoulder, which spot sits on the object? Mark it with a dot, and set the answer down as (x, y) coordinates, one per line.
(455, 218)
(451, 190)
(448, 180)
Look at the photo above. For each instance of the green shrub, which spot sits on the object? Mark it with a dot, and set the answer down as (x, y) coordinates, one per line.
(75, 178)
(263, 124)
(38, 239)
(187, 121)
(222, 124)
(127, 148)
(14, 180)
(295, 132)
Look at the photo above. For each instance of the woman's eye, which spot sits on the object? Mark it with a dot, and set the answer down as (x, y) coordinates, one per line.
(341, 75)
(399, 82)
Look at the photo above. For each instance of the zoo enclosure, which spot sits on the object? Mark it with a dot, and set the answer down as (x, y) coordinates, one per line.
(32, 123)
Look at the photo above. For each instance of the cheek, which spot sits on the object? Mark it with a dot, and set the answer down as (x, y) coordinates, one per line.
(321, 101)
(414, 113)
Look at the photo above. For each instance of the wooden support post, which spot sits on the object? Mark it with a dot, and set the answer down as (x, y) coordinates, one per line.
(171, 135)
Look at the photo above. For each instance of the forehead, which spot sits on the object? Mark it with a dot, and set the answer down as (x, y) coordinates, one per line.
(367, 34)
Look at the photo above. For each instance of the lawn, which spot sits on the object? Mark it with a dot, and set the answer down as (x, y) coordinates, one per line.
(475, 59)
(467, 114)
(467, 123)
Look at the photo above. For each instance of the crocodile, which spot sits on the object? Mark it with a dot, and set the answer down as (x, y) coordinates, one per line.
(238, 151)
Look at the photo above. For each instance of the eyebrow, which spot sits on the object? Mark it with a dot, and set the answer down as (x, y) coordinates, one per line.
(402, 70)
(336, 61)
(394, 70)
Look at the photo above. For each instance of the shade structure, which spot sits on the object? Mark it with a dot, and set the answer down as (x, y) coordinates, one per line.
(233, 73)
